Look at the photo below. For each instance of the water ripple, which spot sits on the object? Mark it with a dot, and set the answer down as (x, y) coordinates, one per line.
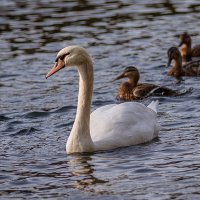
(37, 114)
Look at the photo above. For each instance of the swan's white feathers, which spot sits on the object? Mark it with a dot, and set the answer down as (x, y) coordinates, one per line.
(154, 106)
(123, 124)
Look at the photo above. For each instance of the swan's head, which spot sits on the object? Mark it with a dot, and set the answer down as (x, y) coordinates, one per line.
(185, 39)
(131, 73)
(68, 57)
(173, 54)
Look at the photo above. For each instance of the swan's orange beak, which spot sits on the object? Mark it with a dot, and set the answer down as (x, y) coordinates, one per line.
(57, 66)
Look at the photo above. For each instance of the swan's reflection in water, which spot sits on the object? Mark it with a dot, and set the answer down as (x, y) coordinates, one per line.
(82, 171)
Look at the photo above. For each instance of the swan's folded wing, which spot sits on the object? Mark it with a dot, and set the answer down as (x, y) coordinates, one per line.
(122, 125)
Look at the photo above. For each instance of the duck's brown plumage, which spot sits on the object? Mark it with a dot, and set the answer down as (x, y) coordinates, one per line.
(186, 49)
(132, 90)
(178, 70)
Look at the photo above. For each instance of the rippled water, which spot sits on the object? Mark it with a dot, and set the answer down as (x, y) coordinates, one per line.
(37, 114)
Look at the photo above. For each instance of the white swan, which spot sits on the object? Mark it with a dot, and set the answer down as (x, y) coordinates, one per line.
(110, 126)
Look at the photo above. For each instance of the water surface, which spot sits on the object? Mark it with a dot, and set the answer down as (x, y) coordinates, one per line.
(37, 114)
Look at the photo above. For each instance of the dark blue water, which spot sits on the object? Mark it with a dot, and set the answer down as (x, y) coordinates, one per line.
(36, 115)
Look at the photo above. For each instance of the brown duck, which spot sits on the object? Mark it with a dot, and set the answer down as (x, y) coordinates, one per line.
(187, 52)
(132, 90)
(178, 70)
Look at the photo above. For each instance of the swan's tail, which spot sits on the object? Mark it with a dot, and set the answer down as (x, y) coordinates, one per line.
(154, 106)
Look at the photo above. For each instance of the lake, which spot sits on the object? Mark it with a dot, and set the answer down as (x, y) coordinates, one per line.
(37, 114)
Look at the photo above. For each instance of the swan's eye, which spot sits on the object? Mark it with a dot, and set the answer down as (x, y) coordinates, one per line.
(62, 57)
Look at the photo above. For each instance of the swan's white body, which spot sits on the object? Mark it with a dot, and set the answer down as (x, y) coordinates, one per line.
(124, 124)
(110, 126)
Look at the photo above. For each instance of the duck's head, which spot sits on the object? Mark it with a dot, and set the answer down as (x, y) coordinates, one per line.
(173, 54)
(185, 39)
(68, 57)
(131, 73)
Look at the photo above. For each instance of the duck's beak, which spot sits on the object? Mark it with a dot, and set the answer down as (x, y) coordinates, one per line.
(57, 66)
(181, 43)
(118, 77)
(169, 62)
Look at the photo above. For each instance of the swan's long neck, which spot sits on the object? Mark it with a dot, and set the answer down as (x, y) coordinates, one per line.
(80, 139)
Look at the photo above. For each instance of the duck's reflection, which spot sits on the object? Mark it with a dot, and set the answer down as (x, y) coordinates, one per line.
(82, 170)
